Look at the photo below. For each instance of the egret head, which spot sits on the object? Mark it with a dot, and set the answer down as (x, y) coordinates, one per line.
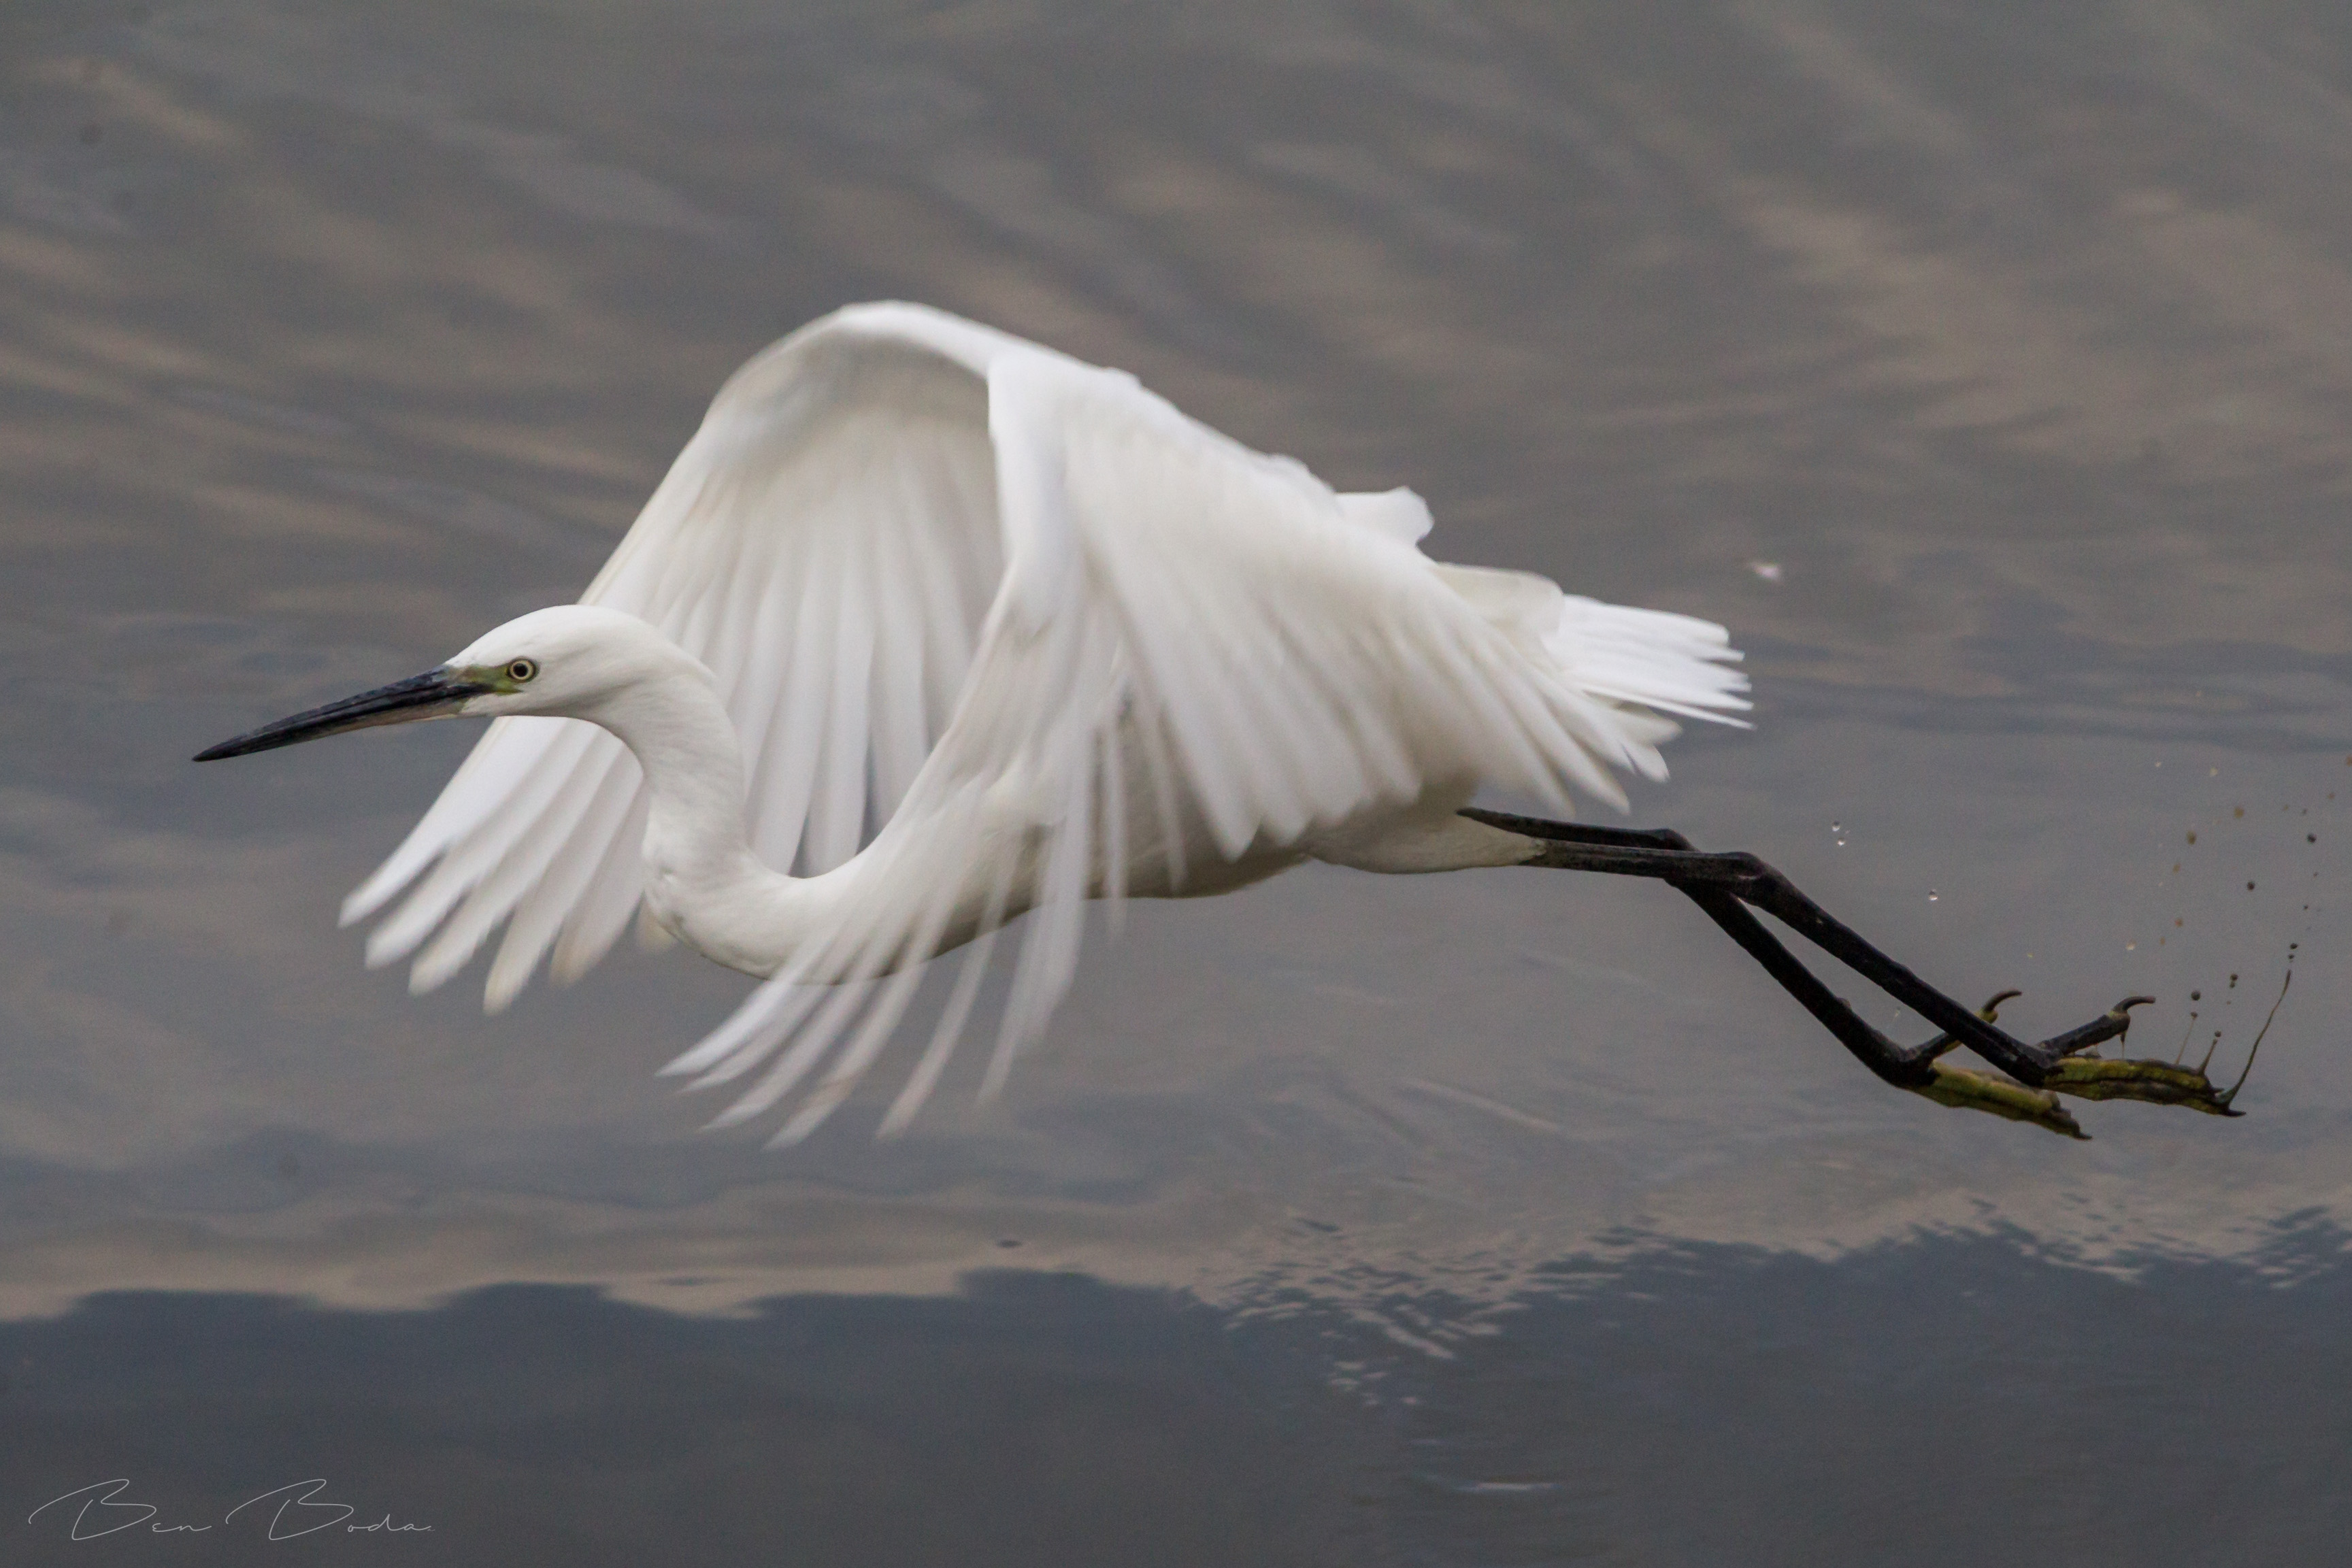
(565, 661)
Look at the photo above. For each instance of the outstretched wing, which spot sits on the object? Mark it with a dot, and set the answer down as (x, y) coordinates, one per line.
(1195, 648)
(827, 545)
(1018, 626)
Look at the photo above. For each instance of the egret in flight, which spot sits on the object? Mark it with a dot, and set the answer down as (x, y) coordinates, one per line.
(929, 628)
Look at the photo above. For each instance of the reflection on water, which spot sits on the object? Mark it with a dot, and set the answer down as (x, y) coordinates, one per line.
(2014, 345)
(1948, 1400)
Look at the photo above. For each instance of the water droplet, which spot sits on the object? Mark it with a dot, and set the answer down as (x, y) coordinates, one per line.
(2196, 996)
(2249, 887)
(1932, 895)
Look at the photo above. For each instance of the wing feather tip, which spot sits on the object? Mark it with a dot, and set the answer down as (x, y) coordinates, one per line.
(812, 1115)
(735, 1115)
(382, 886)
(391, 942)
(445, 960)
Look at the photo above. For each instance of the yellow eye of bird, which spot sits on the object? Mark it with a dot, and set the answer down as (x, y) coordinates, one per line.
(521, 669)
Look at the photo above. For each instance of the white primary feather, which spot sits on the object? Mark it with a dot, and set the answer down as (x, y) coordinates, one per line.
(1030, 636)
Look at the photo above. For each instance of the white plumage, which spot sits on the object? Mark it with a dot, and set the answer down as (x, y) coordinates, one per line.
(1029, 635)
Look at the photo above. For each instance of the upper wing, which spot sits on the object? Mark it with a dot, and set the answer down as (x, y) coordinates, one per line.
(1194, 646)
(827, 545)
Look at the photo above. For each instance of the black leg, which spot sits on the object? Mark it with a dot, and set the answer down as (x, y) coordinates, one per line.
(1723, 885)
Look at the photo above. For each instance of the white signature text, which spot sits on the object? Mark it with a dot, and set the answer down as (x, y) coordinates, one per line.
(281, 1514)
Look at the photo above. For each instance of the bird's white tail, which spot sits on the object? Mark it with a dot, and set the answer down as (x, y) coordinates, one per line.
(1632, 667)
(1613, 653)
(1651, 658)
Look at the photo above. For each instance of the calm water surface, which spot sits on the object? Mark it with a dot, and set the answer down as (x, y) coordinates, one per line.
(1988, 371)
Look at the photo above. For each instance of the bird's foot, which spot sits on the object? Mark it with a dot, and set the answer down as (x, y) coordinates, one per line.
(2129, 1078)
(2158, 1082)
(2067, 1070)
(1974, 1089)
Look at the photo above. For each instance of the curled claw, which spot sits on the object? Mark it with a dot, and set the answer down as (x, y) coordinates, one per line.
(2113, 1024)
(1989, 1012)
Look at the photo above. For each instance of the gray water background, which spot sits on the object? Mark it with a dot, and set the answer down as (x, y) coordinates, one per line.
(1986, 369)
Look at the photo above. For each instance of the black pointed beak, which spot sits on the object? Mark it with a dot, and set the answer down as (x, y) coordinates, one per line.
(436, 693)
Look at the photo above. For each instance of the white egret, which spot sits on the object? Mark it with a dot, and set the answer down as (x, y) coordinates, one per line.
(959, 629)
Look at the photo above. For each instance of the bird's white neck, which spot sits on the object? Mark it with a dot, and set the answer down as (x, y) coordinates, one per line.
(703, 883)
